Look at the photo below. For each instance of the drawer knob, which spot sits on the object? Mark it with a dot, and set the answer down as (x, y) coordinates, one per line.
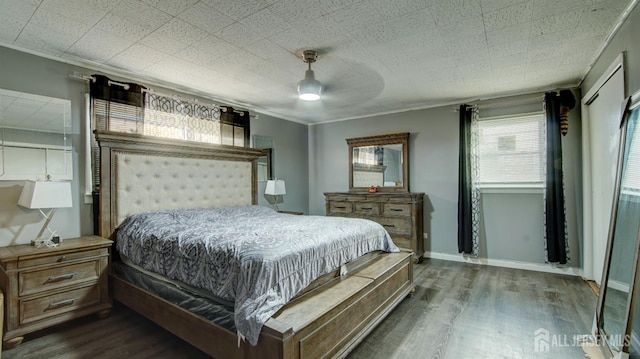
(366, 207)
(341, 207)
(63, 258)
(388, 225)
(396, 209)
(62, 277)
(62, 303)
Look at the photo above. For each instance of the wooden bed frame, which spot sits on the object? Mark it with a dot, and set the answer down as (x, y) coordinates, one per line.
(332, 316)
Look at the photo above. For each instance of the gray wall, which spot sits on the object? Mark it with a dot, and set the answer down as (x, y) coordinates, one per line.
(32, 74)
(290, 156)
(513, 222)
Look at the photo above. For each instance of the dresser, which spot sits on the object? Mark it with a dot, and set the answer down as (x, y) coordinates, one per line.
(47, 286)
(399, 213)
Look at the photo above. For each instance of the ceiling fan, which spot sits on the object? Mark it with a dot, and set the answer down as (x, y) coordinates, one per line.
(309, 89)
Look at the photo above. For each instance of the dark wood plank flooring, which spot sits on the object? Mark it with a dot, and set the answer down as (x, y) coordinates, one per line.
(458, 311)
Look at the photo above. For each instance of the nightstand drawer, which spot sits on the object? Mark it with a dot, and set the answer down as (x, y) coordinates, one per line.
(60, 258)
(58, 277)
(52, 305)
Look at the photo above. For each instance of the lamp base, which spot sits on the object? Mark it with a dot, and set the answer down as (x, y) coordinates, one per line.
(53, 241)
(37, 242)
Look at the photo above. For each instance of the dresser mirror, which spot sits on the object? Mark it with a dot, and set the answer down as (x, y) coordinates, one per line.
(619, 289)
(35, 137)
(379, 161)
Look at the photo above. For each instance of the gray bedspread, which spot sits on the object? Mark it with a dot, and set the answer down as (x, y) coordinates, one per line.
(252, 256)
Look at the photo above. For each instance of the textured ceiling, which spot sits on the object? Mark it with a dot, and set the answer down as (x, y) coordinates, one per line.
(375, 56)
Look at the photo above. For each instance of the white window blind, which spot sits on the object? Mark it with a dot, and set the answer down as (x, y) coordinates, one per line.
(511, 150)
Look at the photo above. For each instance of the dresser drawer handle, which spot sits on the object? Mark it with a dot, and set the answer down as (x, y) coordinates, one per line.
(366, 207)
(62, 277)
(340, 207)
(396, 209)
(63, 258)
(388, 225)
(62, 303)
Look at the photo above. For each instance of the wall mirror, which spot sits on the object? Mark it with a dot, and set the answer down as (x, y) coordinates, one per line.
(379, 161)
(35, 137)
(265, 162)
(619, 287)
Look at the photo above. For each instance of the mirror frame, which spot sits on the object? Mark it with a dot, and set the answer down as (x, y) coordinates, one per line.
(390, 139)
(606, 350)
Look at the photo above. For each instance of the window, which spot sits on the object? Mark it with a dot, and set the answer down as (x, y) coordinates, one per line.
(131, 108)
(511, 151)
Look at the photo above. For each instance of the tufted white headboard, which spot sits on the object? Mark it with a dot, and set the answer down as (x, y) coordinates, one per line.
(141, 174)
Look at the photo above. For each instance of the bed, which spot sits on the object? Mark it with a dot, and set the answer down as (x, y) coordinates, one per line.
(328, 318)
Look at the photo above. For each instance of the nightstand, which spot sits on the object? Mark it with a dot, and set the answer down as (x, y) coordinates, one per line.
(292, 212)
(47, 286)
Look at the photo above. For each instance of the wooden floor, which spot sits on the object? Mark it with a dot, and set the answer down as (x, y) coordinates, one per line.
(458, 311)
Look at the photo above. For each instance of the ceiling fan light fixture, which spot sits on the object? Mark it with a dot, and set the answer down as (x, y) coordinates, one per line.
(309, 89)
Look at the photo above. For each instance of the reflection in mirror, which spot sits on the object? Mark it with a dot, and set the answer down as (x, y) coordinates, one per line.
(379, 166)
(619, 281)
(379, 161)
(36, 141)
(265, 165)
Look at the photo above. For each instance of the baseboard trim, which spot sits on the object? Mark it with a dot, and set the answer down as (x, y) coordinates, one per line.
(547, 268)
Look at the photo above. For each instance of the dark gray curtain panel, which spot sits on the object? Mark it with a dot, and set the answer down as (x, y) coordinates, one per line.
(555, 220)
(465, 221)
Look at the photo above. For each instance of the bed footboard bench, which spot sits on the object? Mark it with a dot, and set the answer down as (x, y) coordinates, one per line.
(328, 321)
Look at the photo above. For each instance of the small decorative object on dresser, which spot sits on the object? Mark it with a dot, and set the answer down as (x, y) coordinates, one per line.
(48, 286)
(400, 213)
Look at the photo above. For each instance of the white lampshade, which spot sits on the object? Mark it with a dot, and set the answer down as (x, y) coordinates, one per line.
(275, 188)
(40, 194)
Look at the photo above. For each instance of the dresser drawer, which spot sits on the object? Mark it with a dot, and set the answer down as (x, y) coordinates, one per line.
(340, 207)
(367, 208)
(40, 308)
(395, 225)
(403, 242)
(57, 277)
(396, 209)
(60, 258)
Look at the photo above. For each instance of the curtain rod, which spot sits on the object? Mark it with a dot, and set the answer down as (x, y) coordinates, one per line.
(78, 76)
(521, 101)
(505, 103)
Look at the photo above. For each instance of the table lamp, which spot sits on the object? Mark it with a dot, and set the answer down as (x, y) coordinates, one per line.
(275, 188)
(45, 194)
